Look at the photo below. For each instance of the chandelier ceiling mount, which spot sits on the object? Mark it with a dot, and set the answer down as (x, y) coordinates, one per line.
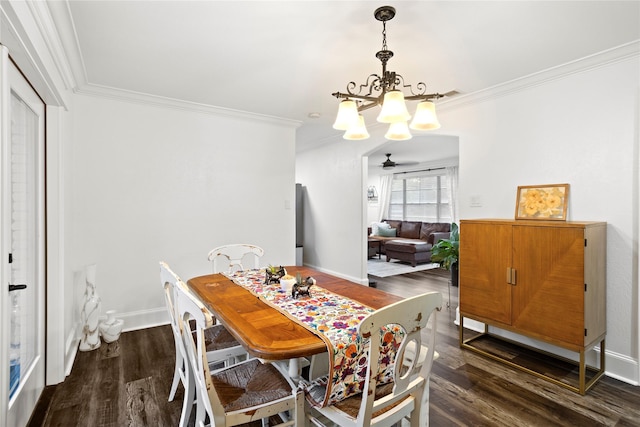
(385, 90)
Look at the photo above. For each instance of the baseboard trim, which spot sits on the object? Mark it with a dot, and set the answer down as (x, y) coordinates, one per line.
(71, 349)
(622, 367)
(358, 280)
(143, 319)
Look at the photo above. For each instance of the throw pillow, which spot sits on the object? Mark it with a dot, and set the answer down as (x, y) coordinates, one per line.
(377, 226)
(387, 232)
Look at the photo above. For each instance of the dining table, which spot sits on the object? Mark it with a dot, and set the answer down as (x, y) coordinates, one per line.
(264, 331)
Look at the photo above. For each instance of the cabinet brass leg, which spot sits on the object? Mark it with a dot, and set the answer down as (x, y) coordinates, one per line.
(582, 371)
(581, 387)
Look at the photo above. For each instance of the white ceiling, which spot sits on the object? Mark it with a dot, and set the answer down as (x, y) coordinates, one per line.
(285, 58)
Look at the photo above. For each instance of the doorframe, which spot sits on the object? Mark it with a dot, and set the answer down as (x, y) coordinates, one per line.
(5, 276)
(13, 80)
(28, 32)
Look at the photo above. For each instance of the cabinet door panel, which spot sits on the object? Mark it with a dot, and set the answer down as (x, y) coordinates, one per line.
(548, 297)
(485, 255)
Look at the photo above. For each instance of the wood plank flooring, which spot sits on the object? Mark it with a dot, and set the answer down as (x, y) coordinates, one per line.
(126, 383)
(468, 389)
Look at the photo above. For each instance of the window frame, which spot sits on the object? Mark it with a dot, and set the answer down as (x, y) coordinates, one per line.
(441, 190)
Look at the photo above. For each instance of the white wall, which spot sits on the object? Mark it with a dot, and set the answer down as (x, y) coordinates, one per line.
(334, 207)
(581, 129)
(561, 133)
(151, 183)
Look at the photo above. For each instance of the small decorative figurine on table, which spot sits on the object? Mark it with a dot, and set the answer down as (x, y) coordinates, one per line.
(273, 274)
(302, 287)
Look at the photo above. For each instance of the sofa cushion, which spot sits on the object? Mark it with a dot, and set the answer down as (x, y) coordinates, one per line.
(387, 232)
(410, 230)
(407, 247)
(440, 235)
(428, 228)
(395, 224)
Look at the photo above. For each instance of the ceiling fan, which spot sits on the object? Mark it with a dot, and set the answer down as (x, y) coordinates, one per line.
(390, 164)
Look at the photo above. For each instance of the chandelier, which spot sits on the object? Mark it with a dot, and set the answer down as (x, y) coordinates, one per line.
(386, 90)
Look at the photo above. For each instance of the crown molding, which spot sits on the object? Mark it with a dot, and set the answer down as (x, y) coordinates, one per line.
(24, 33)
(178, 104)
(42, 16)
(610, 56)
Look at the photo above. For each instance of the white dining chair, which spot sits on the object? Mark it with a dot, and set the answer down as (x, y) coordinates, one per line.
(247, 391)
(229, 258)
(407, 396)
(220, 345)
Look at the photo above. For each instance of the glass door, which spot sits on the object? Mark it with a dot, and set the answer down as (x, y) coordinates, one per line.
(23, 236)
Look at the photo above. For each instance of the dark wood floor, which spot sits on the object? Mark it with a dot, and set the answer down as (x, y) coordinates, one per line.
(468, 389)
(127, 383)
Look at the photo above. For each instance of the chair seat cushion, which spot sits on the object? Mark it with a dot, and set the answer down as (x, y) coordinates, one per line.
(249, 384)
(351, 405)
(218, 337)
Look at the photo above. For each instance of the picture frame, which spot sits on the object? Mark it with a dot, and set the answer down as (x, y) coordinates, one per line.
(546, 202)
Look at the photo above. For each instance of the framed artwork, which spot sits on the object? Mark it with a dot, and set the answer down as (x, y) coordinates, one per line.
(548, 202)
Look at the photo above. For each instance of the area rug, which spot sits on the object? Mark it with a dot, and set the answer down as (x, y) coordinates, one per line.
(382, 268)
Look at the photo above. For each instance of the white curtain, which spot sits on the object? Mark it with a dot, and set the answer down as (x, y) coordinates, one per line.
(385, 196)
(452, 186)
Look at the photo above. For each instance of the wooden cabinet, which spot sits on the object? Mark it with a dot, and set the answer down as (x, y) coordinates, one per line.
(542, 279)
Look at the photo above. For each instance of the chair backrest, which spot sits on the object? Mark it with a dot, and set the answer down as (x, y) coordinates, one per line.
(412, 366)
(169, 280)
(191, 309)
(229, 258)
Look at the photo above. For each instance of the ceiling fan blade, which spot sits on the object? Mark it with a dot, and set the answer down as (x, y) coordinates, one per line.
(388, 164)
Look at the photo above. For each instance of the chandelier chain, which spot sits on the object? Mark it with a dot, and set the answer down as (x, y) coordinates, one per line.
(384, 35)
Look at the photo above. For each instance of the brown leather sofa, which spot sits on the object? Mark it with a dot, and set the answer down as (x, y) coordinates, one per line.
(412, 242)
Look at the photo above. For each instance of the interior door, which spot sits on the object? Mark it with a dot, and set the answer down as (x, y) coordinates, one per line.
(23, 236)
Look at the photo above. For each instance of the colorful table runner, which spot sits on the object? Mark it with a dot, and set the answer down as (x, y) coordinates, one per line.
(335, 319)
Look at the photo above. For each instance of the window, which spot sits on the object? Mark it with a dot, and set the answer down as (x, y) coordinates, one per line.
(420, 198)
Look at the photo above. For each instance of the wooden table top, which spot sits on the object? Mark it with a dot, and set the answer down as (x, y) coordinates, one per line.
(263, 330)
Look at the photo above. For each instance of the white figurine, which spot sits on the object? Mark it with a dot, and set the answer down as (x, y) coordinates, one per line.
(90, 316)
(111, 327)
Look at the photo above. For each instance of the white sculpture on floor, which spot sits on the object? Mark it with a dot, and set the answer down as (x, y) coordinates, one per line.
(90, 315)
(111, 327)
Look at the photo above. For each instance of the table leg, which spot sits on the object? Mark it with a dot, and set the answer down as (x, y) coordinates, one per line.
(295, 370)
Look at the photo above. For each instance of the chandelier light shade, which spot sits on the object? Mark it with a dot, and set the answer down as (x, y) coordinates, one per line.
(394, 108)
(398, 131)
(386, 90)
(347, 115)
(425, 117)
(357, 132)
